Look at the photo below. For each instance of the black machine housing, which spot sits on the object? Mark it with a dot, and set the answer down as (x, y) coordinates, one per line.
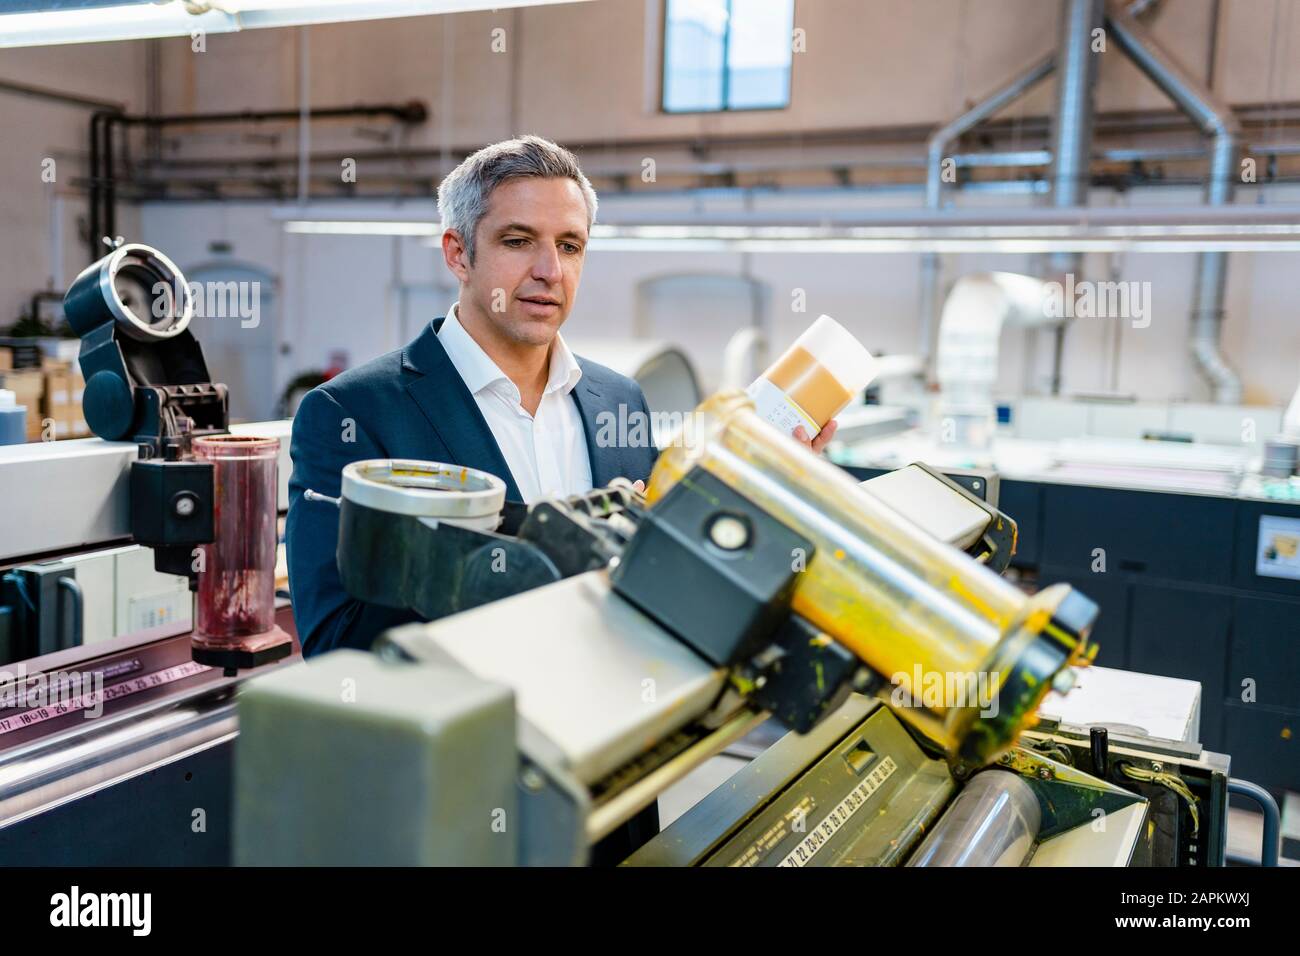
(147, 382)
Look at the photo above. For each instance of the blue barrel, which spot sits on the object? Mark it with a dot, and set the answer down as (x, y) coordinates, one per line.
(13, 420)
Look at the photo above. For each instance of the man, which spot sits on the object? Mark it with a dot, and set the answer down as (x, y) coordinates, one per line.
(491, 386)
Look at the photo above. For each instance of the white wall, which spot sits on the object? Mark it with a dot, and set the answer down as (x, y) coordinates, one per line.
(40, 245)
(579, 71)
(585, 72)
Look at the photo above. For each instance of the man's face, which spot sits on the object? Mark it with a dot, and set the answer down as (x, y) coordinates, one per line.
(528, 257)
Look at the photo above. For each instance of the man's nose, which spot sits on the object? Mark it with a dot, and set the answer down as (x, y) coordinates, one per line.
(546, 265)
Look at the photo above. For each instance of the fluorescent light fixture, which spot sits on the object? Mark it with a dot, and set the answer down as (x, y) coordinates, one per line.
(938, 245)
(254, 14)
(140, 21)
(958, 232)
(146, 20)
(1260, 237)
(341, 227)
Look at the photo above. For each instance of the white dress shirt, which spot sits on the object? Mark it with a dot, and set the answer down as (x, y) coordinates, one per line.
(546, 452)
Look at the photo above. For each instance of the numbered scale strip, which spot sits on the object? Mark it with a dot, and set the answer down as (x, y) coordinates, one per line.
(18, 697)
(834, 821)
(94, 699)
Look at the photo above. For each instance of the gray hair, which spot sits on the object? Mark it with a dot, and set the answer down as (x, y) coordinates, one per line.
(463, 195)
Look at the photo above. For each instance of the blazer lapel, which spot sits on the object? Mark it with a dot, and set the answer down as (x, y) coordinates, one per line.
(589, 397)
(451, 410)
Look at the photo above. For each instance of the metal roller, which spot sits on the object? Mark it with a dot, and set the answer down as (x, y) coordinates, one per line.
(994, 821)
(426, 489)
(136, 287)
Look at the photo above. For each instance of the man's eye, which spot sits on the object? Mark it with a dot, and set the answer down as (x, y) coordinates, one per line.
(515, 242)
(571, 248)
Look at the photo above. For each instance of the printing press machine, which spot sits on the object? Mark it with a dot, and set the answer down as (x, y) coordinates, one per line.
(583, 656)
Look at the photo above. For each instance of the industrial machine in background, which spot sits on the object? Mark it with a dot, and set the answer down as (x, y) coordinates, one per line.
(584, 655)
(165, 474)
(1182, 519)
(202, 499)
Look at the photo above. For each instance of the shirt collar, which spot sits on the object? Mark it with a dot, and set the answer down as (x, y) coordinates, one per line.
(479, 372)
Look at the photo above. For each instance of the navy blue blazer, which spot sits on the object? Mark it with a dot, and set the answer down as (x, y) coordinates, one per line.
(410, 403)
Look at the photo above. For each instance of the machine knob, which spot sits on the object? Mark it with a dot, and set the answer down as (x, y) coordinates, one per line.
(1099, 738)
(109, 406)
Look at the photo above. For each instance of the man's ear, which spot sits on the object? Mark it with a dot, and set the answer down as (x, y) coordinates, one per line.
(454, 254)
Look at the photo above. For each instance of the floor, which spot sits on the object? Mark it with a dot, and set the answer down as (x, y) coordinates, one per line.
(1246, 827)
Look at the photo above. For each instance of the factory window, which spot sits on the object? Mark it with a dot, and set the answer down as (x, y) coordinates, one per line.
(727, 55)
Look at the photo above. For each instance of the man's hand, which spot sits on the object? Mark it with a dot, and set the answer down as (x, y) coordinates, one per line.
(638, 486)
(823, 438)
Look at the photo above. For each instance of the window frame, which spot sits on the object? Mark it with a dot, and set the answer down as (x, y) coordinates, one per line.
(726, 71)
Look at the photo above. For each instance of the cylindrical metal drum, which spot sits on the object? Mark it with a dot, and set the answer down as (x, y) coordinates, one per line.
(994, 821)
(971, 655)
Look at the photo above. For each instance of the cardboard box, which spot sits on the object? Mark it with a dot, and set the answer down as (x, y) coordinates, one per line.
(63, 386)
(59, 350)
(64, 392)
(68, 422)
(24, 353)
(28, 386)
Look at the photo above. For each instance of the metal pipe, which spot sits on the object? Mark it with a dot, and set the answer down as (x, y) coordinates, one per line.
(1217, 121)
(1269, 847)
(1213, 117)
(1120, 222)
(103, 176)
(58, 96)
(1072, 125)
(304, 114)
(1027, 129)
(108, 189)
(975, 312)
(1072, 136)
(412, 112)
(995, 102)
(94, 229)
(1071, 150)
(153, 96)
(937, 144)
